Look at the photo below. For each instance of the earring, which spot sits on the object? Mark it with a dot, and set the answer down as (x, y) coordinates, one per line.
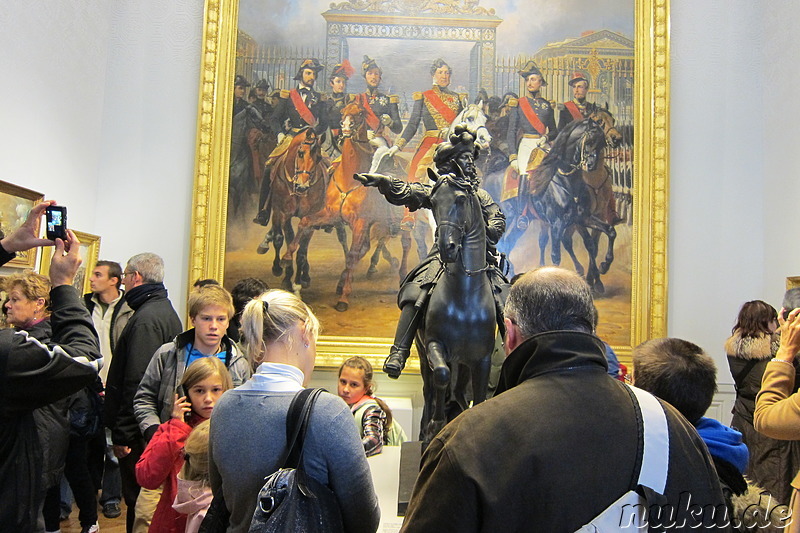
(306, 344)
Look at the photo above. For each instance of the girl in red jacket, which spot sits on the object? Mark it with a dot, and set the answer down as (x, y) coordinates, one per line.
(203, 383)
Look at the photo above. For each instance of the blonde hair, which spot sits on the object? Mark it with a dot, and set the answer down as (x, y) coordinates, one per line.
(32, 285)
(195, 454)
(204, 368)
(268, 317)
(207, 296)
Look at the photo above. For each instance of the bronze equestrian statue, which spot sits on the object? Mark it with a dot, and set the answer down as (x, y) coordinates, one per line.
(452, 301)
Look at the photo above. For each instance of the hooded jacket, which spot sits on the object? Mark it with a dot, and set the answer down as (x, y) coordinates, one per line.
(552, 449)
(156, 395)
(154, 322)
(192, 499)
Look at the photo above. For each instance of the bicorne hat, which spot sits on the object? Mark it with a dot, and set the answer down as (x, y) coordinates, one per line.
(312, 64)
(531, 68)
(343, 70)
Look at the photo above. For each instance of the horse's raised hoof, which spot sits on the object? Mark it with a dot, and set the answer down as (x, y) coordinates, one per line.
(371, 271)
(441, 376)
(604, 266)
(395, 262)
(341, 306)
(579, 270)
(277, 270)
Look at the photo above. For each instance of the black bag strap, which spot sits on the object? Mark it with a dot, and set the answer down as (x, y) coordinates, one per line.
(296, 426)
(637, 466)
(744, 371)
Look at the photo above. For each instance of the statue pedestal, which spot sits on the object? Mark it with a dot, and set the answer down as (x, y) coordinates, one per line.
(394, 472)
(410, 454)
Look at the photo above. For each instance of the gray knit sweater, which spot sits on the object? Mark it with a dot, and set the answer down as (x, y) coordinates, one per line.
(248, 434)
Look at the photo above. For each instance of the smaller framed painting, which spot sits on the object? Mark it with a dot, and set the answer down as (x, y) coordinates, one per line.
(90, 252)
(15, 203)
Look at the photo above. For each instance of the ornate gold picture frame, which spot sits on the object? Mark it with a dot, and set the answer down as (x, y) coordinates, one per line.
(15, 203)
(90, 253)
(647, 315)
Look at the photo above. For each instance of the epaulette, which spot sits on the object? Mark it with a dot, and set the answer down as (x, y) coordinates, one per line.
(284, 93)
(350, 98)
(394, 99)
(417, 96)
(513, 102)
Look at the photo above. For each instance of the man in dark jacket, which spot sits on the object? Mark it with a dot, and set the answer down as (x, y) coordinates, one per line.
(154, 322)
(35, 374)
(558, 442)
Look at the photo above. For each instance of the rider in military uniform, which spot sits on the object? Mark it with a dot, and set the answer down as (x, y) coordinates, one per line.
(296, 109)
(531, 126)
(578, 108)
(336, 102)
(454, 156)
(382, 111)
(436, 108)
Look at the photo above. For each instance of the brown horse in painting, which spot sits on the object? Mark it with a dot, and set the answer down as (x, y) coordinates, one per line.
(348, 202)
(298, 190)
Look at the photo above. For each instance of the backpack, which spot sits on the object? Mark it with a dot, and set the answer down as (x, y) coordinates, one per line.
(290, 499)
(630, 511)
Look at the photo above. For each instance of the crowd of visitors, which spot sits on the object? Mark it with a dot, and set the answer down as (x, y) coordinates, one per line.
(526, 456)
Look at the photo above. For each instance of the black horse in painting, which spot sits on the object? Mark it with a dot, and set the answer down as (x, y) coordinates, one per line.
(560, 197)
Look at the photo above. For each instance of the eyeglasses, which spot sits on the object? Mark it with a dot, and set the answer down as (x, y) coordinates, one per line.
(131, 273)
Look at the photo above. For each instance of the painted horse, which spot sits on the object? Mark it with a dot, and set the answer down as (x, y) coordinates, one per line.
(348, 202)
(456, 337)
(298, 190)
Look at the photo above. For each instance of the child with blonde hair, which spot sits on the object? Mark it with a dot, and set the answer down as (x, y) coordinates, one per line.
(194, 489)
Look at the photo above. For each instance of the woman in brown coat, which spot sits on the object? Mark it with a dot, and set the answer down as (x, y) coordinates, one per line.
(777, 413)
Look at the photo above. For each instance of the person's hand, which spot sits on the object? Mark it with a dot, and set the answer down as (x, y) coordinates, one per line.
(369, 180)
(26, 236)
(393, 150)
(514, 166)
(281, 137)
(386, 120)
(120, 451)
(790, 335)
(64, 266)
(181, 408)
(370, 135)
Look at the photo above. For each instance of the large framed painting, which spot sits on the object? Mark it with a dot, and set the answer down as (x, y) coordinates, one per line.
(15, 204)
(271, 67)
(90, 252)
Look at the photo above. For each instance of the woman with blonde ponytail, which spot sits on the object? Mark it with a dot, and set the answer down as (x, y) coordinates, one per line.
(248, 431)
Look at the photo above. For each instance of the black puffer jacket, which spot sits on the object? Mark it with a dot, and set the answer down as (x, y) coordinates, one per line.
(34, 375)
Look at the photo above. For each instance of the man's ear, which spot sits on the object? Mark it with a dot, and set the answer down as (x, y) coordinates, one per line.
(512, 339)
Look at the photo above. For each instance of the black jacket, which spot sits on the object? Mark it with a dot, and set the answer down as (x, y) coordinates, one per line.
(553, 448)
(154, 322)
(33, 375)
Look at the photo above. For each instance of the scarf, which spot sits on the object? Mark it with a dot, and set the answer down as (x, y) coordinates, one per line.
(723, 442)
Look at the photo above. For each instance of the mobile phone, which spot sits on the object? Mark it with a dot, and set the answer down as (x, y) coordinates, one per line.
(56, 217)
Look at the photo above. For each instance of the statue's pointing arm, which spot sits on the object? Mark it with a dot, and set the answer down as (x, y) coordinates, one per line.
(398, 192)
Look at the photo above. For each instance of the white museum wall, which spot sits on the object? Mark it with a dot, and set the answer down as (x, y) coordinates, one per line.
(104, 100)
(99, 113)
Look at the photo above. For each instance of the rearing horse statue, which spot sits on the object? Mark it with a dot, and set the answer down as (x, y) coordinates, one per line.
(452, 299)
